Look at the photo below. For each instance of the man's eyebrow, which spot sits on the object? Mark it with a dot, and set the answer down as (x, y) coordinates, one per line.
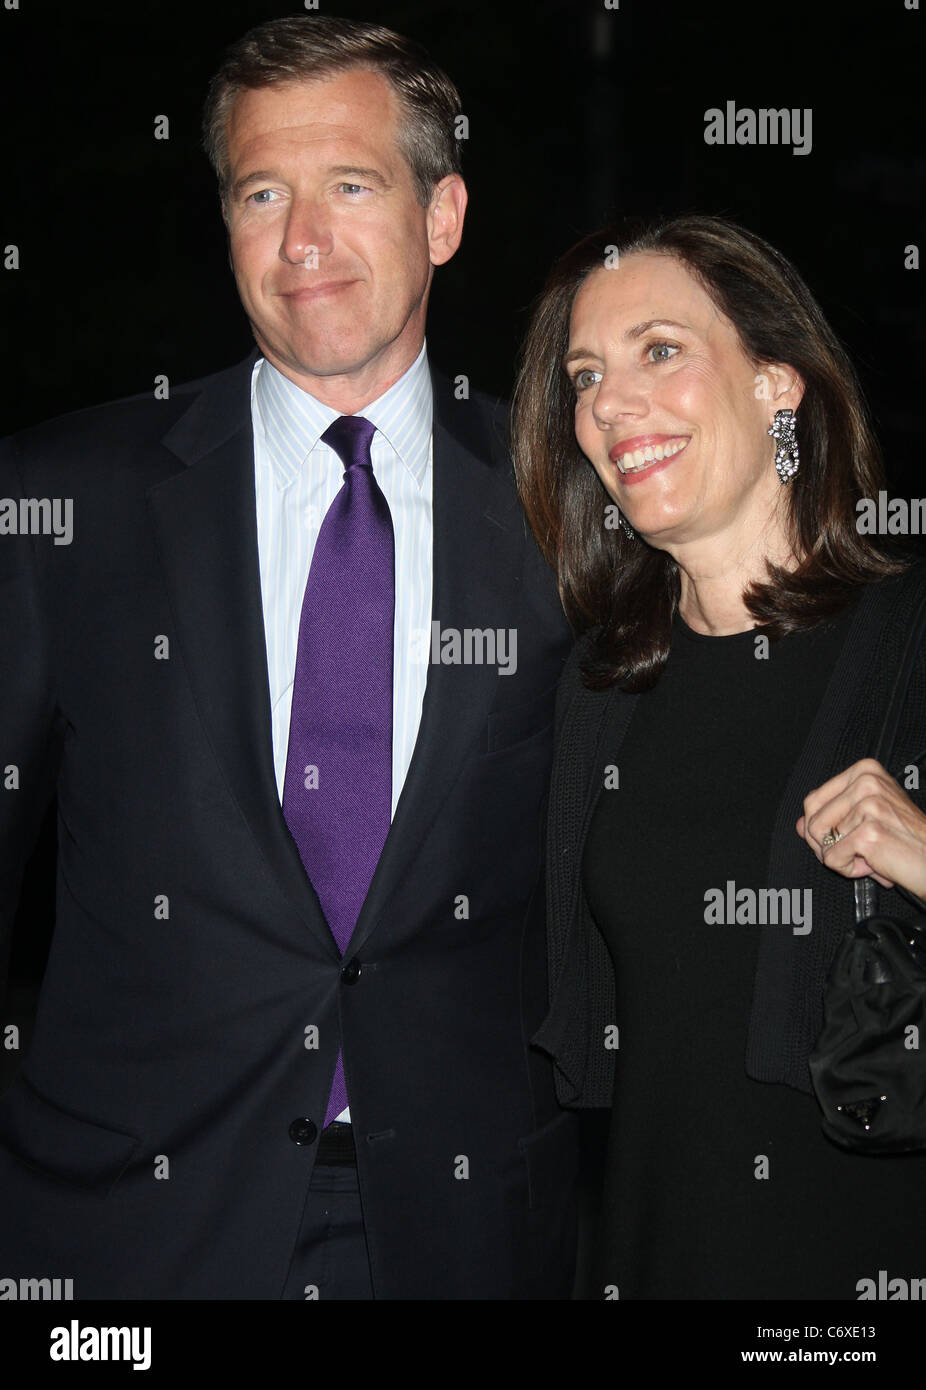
(357, 171)
(369, 175)
(638, 330)
(258, 176)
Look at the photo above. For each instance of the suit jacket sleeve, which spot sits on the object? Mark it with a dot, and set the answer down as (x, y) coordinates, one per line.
(29, 741)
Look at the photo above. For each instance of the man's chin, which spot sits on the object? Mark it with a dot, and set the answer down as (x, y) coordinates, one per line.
(313, 359)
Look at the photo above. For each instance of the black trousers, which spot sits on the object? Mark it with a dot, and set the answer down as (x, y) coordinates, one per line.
(330, 1260)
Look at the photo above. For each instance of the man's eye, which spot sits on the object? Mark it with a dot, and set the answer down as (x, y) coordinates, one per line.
(661, 352)
(352, 188)
(585, 378)
(262, 196)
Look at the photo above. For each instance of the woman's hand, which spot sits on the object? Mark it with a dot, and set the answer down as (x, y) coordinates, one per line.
(877, 828)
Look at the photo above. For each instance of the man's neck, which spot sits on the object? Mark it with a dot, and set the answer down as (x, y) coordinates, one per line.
(350, 393)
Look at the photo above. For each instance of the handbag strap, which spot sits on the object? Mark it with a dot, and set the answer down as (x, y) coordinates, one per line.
(866, 890)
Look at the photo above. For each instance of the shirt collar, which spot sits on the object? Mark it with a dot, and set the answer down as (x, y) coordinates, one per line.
(292, 421)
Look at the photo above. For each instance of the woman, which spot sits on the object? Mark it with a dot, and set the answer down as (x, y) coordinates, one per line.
(738, 641)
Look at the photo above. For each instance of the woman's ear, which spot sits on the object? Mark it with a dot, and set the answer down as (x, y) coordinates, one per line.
(785, 386)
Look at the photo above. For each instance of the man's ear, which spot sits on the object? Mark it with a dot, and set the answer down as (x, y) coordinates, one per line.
(445, 218)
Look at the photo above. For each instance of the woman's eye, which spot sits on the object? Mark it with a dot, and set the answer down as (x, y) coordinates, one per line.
(585, 378)
(661, 352)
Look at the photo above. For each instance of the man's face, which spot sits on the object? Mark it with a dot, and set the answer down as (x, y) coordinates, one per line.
(331, 249)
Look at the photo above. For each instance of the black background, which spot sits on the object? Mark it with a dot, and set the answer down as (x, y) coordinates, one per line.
(577, 113)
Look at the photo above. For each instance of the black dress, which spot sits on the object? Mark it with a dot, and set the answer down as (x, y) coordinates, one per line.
(719, 1186)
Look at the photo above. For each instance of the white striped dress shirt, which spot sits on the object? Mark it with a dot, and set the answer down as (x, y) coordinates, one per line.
(296, 479)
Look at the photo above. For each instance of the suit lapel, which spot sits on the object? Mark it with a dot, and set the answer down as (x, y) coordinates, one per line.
(206, 528)
(476, 550)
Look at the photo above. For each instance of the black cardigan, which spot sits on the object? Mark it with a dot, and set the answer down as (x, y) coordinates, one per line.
(787, 1005)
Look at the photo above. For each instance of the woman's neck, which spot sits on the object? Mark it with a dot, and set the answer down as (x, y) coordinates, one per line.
(714, 579)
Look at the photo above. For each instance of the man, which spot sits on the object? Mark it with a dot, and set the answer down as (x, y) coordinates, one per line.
(282, 1043)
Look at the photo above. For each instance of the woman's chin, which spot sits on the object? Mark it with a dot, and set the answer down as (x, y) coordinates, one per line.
(657, 529)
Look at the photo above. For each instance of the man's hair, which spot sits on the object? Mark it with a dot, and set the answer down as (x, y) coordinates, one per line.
(308, 48)
(628, 590)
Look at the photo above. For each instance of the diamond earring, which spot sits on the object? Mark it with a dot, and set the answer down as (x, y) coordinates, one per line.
(787, 455)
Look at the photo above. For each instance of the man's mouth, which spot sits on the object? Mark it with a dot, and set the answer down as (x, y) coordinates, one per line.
(306, 293)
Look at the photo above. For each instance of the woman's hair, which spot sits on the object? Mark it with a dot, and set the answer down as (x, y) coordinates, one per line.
(621, 586)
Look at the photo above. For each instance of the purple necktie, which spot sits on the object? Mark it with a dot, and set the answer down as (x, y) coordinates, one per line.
(341, 721)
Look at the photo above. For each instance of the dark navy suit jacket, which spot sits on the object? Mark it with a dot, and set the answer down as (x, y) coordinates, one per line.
(145, 1148)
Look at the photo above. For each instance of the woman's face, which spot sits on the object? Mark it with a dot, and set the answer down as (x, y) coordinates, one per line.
(659, 371)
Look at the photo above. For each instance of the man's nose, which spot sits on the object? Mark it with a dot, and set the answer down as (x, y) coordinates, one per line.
(307, 234)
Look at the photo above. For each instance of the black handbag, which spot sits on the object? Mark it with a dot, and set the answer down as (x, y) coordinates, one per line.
(869, 1063)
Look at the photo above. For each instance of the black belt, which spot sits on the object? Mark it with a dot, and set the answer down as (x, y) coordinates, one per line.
(336, 1146)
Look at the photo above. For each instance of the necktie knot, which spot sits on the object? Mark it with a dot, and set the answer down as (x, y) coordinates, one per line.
(350, 436)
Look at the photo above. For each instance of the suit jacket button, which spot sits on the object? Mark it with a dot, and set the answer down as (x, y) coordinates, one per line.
(303, 1131)
(351, 972)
